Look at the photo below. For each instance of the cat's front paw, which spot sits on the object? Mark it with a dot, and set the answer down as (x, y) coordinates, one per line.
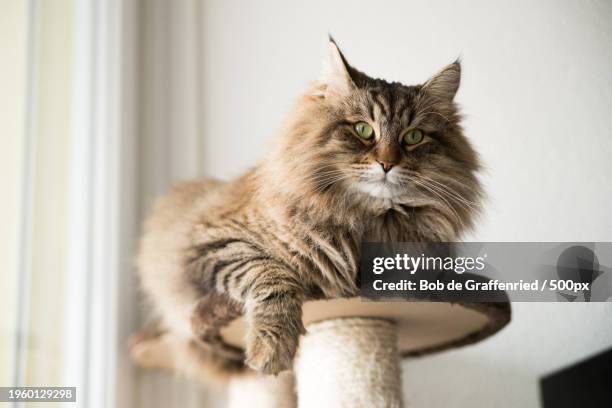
(272, 346)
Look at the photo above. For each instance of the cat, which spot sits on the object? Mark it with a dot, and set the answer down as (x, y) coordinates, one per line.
(359, 159)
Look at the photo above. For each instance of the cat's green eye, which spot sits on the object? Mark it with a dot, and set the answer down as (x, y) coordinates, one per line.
(364, 130)
(412, 137)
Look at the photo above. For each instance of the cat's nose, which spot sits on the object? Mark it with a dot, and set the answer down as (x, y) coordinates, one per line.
(386, 166)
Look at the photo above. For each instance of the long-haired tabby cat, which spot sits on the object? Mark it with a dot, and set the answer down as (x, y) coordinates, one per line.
(360, 159)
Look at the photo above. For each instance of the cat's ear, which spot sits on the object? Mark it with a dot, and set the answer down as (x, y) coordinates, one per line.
(336, 72)
(445, 83)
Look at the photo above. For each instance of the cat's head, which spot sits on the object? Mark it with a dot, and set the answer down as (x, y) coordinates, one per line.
(358, 141)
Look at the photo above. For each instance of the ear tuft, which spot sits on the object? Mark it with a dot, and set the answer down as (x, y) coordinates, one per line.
(336, 72)
(445, 83)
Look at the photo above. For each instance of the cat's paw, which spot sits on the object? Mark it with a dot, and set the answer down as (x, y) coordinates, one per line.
(271, 347)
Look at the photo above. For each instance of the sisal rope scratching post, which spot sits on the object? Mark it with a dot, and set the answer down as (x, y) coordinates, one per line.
(350, 362)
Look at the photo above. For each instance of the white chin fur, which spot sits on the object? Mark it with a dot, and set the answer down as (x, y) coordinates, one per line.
(379, 189)
(379, 185)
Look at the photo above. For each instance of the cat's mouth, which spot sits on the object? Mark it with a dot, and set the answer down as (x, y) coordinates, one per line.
(388, 186)
(381, 188)
(391, 192)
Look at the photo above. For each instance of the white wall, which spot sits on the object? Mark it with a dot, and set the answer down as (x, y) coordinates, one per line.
(537, 93)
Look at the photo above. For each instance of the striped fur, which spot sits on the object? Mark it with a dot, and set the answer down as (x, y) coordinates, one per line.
(291, 229)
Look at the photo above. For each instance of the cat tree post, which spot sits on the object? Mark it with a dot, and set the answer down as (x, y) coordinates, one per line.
(351, 355)
(349, 362)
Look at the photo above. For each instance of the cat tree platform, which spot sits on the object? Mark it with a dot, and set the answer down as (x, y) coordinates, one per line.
(351, 355)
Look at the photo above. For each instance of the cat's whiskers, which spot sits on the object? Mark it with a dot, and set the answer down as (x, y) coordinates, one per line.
(448, 190)
(328, 174)
(444, 189)
(448, 205)
(324, 181)
(451, 197)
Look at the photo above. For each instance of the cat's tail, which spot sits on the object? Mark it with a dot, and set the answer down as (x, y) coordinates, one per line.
(204, 362)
